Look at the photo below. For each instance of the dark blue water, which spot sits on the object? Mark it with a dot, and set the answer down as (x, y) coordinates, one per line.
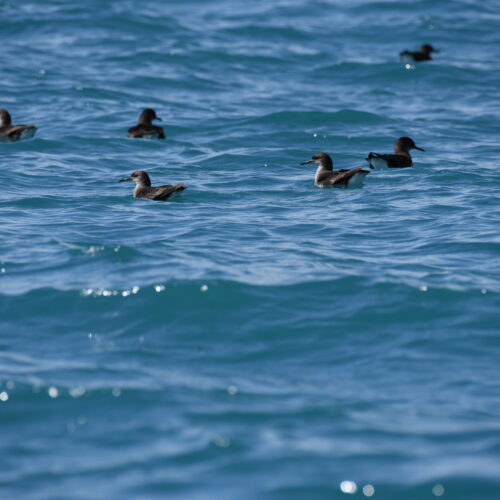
(256, 337)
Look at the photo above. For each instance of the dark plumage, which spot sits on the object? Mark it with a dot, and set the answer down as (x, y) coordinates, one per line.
(143, 188)
(422, 54)
(400, 159)
(326, 176)
(145, 128)
(10, 133)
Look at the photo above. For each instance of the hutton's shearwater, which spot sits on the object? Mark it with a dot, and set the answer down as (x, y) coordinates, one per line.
(326, 176)
(400, 159)
(143, 188)
(145, 127)
(422, 54)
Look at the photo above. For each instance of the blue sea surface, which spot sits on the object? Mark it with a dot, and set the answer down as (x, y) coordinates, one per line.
(256, 337)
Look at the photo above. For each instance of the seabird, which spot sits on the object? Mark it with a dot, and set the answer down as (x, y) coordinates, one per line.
(422, 54)
(145, 128)
(11, 133)
(143, 188)
(400, 159)
(326, 176)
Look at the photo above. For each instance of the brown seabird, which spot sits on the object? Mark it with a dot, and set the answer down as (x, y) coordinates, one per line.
(143, 188)
(145, 128)
(422, 54)
(400, 159)
(11, 133)
(326, 176)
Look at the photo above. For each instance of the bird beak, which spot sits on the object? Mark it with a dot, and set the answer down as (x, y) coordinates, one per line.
(435, 50)
(125, 179)
(420, 149)
(158, 118)
(306, 162)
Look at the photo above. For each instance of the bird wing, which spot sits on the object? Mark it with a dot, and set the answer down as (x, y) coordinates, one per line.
(419, 56)
(142, 130)
(393, 160)
(342, 177)
(164, 192)
(135, 131)
(15, 131)
(339, 177)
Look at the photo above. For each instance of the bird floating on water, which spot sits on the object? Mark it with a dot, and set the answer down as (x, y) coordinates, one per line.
(422, 54)
(145, 127)
(143, 188)
(326, 176)
(11, 133)
(400, 159)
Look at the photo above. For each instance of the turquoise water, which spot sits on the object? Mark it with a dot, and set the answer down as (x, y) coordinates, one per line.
(256, 337)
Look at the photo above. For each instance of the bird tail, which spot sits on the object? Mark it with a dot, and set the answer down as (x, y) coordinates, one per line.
(370, 157)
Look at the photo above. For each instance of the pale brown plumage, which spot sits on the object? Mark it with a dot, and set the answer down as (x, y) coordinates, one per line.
(143, 188)
(326, 176)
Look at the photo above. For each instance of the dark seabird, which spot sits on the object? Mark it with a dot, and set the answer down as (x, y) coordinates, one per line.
(400, 159)
(143, 188)
(145, 128)
(422, 54)
(11, 133)
(326, 176)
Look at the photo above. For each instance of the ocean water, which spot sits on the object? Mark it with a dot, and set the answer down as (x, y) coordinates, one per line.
(256, 337)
